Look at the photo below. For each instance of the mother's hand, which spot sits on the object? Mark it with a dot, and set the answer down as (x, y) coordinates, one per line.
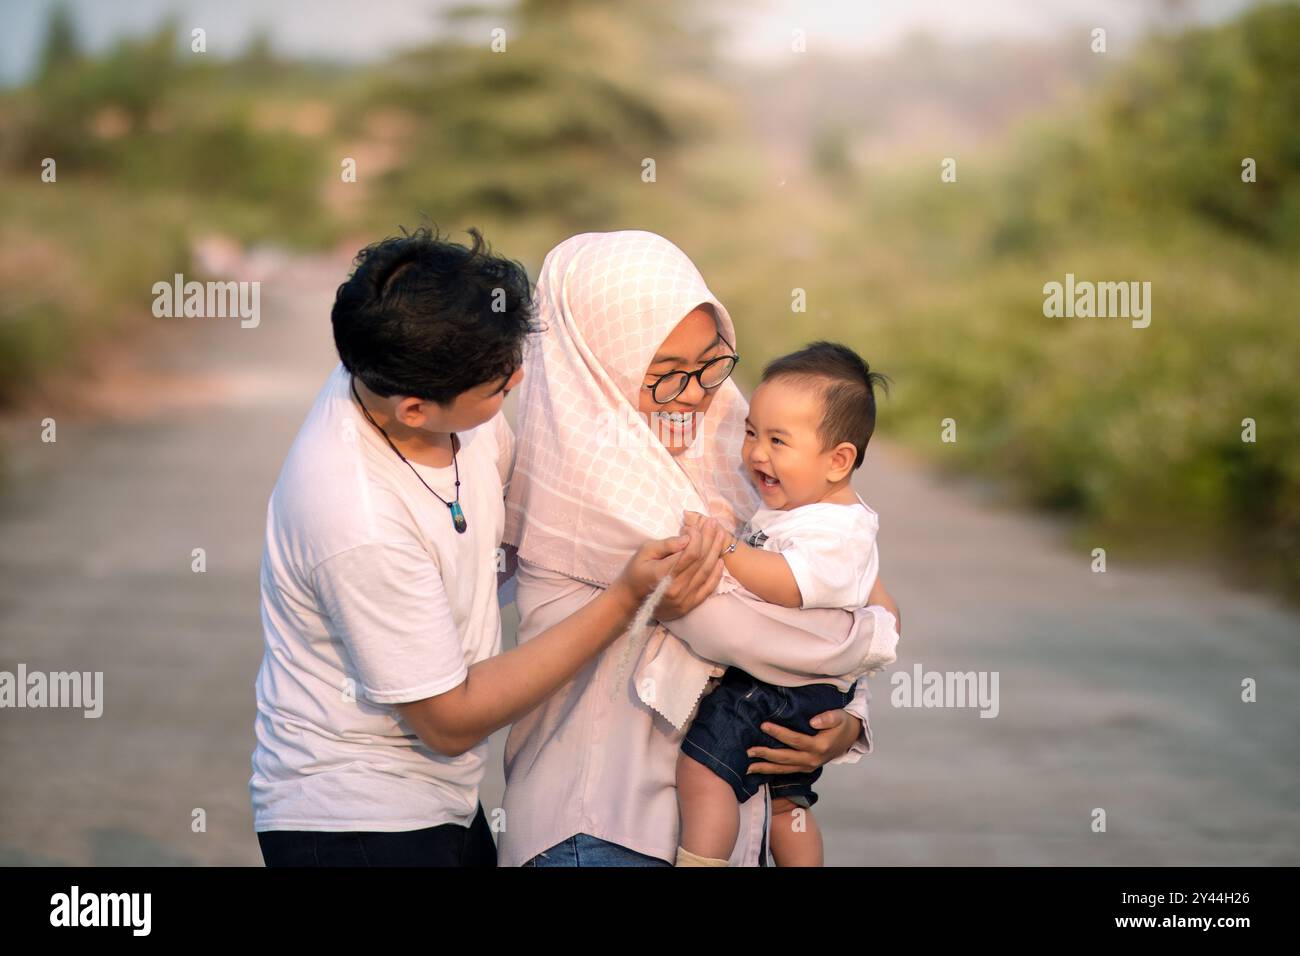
(696, 574)
(836, 731)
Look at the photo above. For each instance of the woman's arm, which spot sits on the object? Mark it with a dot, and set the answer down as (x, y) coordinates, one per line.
(857, 707)
(881, 598)
(838, 730)
(785, 646)
(841, 738)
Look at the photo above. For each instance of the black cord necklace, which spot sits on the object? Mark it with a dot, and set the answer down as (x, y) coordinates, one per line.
(457, 516)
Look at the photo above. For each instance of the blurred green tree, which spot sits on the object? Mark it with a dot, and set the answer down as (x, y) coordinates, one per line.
(61, 48)
(553, 115)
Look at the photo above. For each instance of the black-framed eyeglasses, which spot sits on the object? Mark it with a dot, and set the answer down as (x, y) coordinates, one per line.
(712, 374)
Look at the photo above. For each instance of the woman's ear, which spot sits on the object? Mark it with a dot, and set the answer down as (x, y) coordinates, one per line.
(843, 456)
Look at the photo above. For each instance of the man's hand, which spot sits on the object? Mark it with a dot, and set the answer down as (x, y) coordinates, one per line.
(837, 729)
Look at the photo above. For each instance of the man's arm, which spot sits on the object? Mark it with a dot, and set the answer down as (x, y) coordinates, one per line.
(501, 689)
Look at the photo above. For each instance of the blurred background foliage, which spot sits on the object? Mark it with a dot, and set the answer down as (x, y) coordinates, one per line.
(815, 173)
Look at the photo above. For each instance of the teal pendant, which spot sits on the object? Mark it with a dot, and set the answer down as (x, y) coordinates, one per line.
(458, 517)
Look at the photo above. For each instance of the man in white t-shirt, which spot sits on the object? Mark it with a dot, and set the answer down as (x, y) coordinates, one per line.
(383, 675)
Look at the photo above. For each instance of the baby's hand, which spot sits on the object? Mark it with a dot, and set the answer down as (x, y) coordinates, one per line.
(692, 519)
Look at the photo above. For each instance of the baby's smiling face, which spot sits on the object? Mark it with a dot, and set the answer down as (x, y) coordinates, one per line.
(783, 451)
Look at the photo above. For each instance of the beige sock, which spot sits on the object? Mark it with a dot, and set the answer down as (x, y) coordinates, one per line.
(686, 858)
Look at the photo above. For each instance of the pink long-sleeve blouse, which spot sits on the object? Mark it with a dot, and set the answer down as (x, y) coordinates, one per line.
(594, 759)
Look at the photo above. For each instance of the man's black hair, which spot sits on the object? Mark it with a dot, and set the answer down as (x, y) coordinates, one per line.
(427, 317)
(847, 386)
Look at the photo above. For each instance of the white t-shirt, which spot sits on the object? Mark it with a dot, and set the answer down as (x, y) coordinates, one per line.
(371, 598)
(831, 550)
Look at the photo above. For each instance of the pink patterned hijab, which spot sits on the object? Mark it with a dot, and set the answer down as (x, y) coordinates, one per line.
(591, 480)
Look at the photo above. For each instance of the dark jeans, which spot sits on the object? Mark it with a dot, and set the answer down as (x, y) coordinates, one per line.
(445, 845)
(586, 850)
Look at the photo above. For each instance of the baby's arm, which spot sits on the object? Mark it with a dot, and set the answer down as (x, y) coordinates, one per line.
(764, 573)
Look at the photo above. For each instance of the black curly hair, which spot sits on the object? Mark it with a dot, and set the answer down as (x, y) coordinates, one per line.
(430, 318)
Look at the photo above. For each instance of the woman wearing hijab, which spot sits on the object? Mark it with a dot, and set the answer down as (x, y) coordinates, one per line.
(608, 456)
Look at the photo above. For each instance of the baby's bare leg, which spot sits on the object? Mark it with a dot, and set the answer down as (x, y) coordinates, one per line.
(710, 814)
(796, 838)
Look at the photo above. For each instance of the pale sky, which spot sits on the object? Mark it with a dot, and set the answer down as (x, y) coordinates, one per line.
(866, 25)
(358, 30)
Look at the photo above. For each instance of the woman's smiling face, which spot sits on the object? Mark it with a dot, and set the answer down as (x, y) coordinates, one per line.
(694, 341)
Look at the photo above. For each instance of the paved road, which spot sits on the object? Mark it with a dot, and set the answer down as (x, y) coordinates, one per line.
(1118, 691)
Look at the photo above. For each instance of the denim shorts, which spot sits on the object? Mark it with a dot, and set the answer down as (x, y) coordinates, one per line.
(727, 725)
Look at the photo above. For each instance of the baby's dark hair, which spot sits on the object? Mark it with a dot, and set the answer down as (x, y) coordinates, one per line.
(848, 391)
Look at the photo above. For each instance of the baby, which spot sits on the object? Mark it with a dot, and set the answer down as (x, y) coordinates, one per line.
(812, 543)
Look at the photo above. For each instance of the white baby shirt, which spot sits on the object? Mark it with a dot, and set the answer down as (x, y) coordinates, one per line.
(831, 550)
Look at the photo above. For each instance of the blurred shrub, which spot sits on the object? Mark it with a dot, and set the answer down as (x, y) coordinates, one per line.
(154, 148)
(1136, 431)
(70, 276)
